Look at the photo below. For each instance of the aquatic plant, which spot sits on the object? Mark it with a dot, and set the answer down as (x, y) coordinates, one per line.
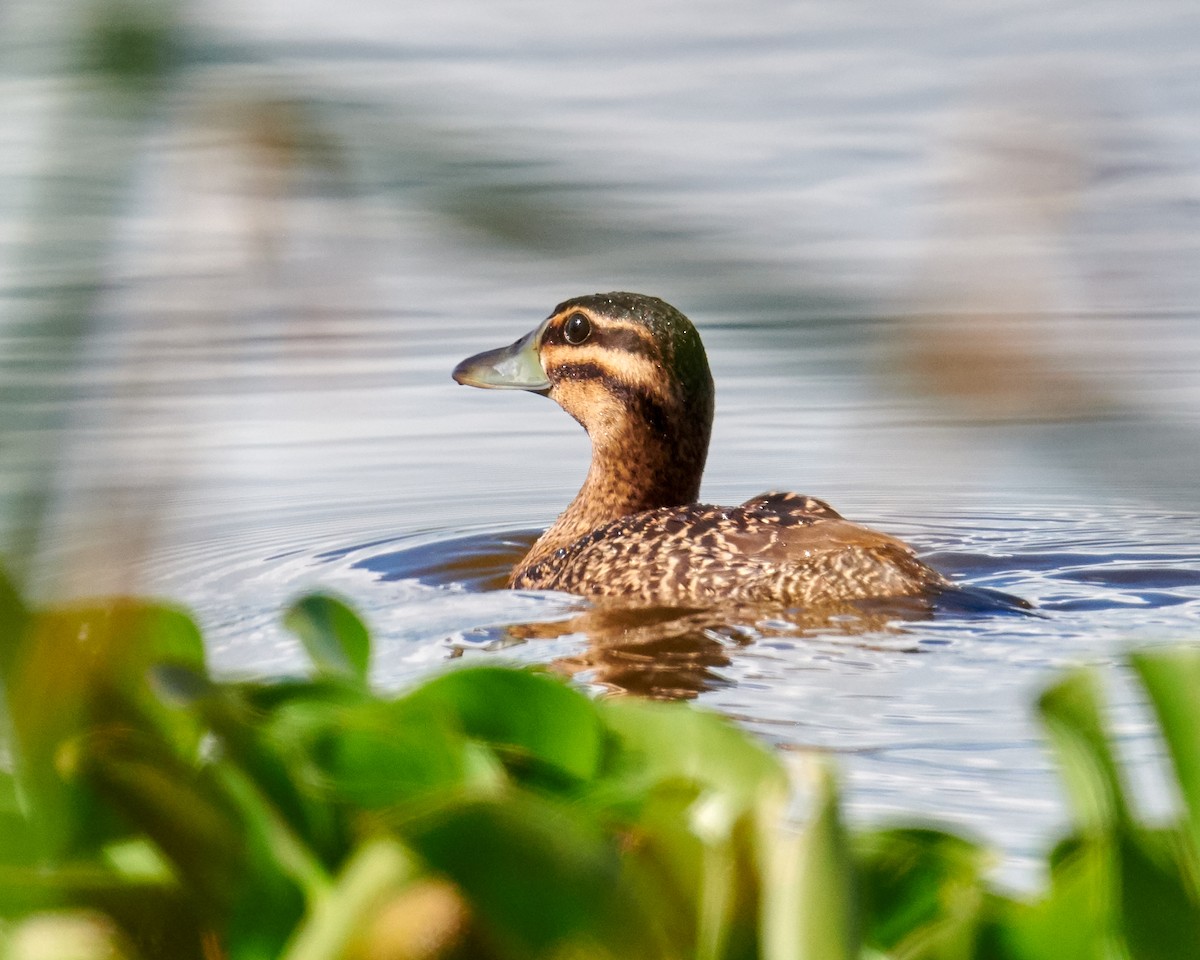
(150, 810)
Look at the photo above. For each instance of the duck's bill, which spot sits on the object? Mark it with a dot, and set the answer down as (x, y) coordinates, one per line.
(515, 367)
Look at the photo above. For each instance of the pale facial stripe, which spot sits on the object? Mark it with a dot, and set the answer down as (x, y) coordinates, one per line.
(632, 370)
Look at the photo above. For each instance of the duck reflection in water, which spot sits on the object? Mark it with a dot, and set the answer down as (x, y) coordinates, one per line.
(666, 653)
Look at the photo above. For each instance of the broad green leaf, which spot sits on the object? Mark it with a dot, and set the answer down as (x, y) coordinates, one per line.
(1159, 904)
(735, 787)
(1172, 680)
(1076, 918)
(186, 815)
(18, 845)
(923, 892)
(541, 878)
(334, 637)
(1071, 714)
(380, 867)
(542, 729)
(250, 741)
(92, 663)
(810, 905)
(377, 754)
(664, 857)
(13, 618)
(658, 742)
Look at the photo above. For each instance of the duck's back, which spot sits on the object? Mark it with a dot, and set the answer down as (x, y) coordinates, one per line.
(779, 548)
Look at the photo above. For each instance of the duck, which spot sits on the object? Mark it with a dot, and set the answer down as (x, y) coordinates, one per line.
(632, 370)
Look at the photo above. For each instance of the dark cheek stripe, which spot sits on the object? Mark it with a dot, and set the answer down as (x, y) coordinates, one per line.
(578, 371)
(636, 399)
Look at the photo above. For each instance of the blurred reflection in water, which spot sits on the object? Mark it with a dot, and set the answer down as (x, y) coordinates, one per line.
(672, 654)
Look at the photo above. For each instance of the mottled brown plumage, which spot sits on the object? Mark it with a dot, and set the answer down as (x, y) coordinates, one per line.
(631, 369)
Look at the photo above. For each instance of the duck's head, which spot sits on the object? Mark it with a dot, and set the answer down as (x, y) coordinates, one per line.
(630, 368)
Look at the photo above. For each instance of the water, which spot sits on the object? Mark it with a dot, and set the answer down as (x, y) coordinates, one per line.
(942, 261)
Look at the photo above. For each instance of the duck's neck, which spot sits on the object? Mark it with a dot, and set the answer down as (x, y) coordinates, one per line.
(635, 467)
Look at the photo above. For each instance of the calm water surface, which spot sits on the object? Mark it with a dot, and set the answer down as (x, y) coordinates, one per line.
(945, 278)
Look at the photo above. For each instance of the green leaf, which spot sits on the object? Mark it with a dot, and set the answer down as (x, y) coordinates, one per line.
(1159, 904)
(810, 906)
(544, 731)
(658, 742)
(380, 867)
(923, 891)
(543, 879)
(663, 856)
(1172, 679)
(13, 619)
(111, 648)
(1075, 920)
(733, 786)
(177, 807)
(334, 637)
(377, 754)
(1070, 712)
(255, 741)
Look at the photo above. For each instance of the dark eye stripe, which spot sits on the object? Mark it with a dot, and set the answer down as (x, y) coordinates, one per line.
(623, 339)
(628, 340)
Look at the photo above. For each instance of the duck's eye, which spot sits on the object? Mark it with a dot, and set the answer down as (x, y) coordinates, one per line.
(577, 329)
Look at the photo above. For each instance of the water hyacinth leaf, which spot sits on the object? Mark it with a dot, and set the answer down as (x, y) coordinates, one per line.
(1160, 908)
(376, 754)
(921, 887)
(378, 868)
(111, 648)
(334, 637)
(660, 742)
(734, 787)
(1071, 715)
(538, 725)
(250, 742)
(180, 809)
(18, 845)
(1172, 679)
(1073, 921)
(13, 617)
(663, 856)
(541, 878)
(722, 890)
(283, 876)
(810, 904)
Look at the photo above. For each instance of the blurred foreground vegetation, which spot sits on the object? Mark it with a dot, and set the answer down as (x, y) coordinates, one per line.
(150, 810)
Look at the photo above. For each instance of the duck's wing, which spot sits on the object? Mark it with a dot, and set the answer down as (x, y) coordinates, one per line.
(792, 504)
(778, 548)
(805, 552)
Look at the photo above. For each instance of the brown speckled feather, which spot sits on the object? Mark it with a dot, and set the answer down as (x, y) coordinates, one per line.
(777, 549)
(631, 369)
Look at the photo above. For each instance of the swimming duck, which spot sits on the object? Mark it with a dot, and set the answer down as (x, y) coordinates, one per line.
(632, 370)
